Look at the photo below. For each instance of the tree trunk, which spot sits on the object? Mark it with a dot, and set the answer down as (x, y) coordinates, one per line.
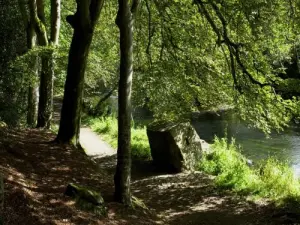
(32, 101)
(46, 92)
(47, 72)
(55, 21)
(48, 65)
(32, 105)
(73, 93)
(123, 171)
(83, 23)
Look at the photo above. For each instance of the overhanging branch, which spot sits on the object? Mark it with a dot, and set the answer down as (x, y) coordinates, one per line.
(223, 38)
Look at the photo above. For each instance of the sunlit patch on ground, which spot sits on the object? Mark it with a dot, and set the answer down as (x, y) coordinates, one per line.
(37, 172)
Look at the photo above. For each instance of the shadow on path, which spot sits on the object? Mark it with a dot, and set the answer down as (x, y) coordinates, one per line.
(36, 174)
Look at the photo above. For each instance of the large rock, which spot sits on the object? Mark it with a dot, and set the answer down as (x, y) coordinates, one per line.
(175, 147)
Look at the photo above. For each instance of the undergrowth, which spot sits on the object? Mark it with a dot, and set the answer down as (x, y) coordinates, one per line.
(108, 128)
(268, 179)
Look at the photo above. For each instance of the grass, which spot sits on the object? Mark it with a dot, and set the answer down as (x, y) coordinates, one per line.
(54, 128)
(108, 128)
(269, 179)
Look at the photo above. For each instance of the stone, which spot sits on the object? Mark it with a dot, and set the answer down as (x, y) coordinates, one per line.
(175, 147)
(87, 199)
(79, 192)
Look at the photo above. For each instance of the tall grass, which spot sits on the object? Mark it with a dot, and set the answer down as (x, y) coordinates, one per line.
(269, 179)
(108, 128)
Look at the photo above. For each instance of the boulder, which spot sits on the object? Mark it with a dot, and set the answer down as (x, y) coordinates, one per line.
(87, 199)
(175, 147)
(76, 191)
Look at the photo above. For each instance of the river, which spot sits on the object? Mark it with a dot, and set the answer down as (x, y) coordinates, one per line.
(254, 144)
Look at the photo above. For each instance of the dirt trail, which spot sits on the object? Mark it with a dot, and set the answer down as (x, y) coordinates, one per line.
(36, 173)
(93, 145)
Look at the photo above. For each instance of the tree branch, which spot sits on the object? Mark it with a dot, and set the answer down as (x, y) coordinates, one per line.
(234, 48)
(151, 31)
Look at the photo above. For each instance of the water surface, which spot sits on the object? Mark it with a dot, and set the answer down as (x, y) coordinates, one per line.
(254, 144)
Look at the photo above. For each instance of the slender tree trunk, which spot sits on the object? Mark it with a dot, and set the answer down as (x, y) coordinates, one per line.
(39, 26)
(123, 171)
(32, 105)
(36, 8)
(55, 21)
(46, 92)
(47, 72)
(32, 101)
(83, 23)
(48, 65)
(33, 89)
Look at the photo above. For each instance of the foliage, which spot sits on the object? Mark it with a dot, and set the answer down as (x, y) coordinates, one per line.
(189, 57)
(108, 128)
(271, 179)
(184, 63)
(13, 43)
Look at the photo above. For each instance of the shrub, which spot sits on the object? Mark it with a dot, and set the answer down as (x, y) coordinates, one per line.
(271, 179)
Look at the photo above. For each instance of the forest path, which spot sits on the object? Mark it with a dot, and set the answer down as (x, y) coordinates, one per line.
(92, 143)
(36, 172)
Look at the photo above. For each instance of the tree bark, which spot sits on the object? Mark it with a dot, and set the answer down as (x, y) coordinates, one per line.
(46, 92)
(33, 89)
(32, 100)
(55, 21)
(83, 23)
(32, 105)
(123, 171)
(45, 107)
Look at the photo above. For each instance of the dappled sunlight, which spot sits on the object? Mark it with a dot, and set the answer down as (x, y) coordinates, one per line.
(37, 182)
(37, 171)
(191, 198)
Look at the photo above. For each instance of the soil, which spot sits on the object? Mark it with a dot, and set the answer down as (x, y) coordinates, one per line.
(37, 171)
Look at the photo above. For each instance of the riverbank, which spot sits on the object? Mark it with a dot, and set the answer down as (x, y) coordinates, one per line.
(268, 179)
